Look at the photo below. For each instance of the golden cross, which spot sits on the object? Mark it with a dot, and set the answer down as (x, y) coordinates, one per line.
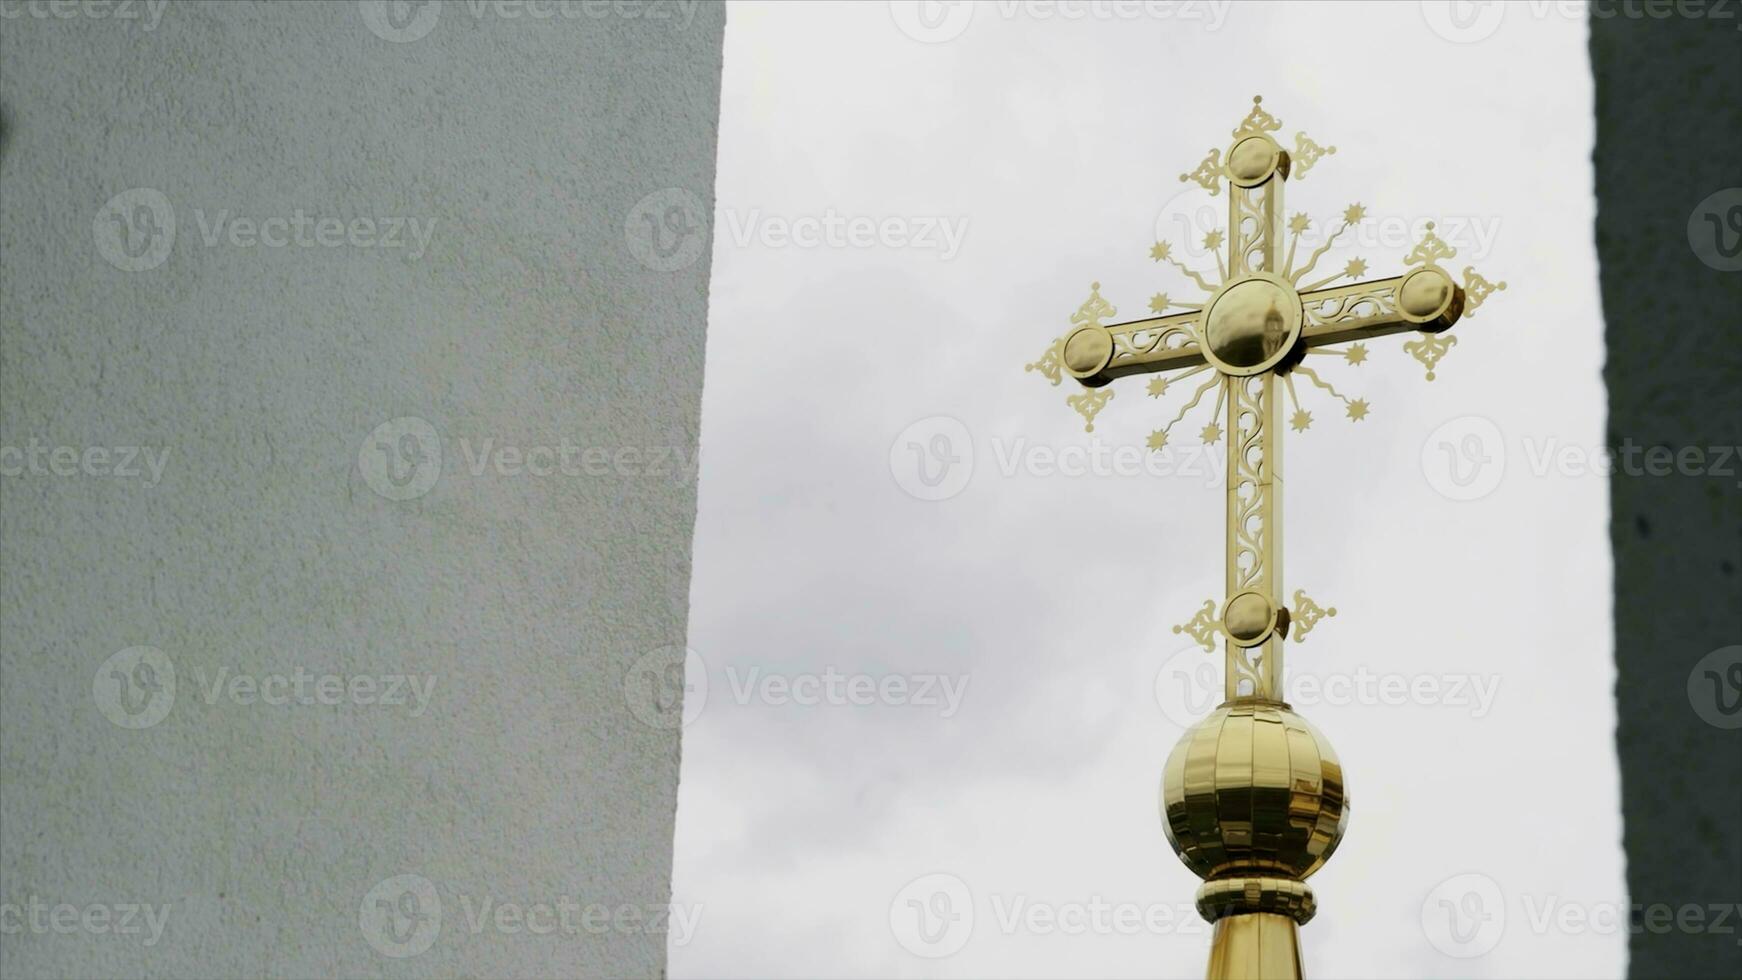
(1253, 797)
(1254, 331)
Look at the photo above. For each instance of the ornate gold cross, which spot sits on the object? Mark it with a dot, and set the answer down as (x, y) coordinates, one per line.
(1254, 331)
(1238, 811)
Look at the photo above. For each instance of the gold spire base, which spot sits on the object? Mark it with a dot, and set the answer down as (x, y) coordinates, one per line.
(1255, 946)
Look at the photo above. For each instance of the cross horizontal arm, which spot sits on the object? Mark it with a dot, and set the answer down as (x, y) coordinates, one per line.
(1095, 354)
(1425, 300)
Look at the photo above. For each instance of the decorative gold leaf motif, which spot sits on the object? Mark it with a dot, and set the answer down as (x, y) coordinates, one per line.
(1051, 364)
(1089, 403)
(1429, 348)
(1094, 309)
(1257, 122)
(1203, 626)
(1306, 614)
(1477, 289)
(1209, 173)
(1306, 153)
(1430, 251)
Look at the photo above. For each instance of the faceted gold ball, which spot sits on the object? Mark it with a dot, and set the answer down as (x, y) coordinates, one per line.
(1253, 790)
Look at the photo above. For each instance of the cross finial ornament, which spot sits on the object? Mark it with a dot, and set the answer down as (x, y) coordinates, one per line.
(1253, 797)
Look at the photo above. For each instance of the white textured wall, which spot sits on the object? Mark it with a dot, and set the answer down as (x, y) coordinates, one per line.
(527, 307)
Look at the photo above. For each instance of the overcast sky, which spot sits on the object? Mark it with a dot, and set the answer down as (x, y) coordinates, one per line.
(910, 206)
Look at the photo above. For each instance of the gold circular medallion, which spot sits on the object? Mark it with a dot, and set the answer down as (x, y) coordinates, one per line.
(1253, 159)
(1252, 325)
(1426, 294)
(1087, 350)
(1249, 618)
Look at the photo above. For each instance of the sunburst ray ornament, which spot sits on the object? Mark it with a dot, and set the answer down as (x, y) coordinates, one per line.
(1251, 333)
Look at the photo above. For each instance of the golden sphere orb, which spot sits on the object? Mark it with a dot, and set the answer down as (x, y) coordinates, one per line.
(1253, 791)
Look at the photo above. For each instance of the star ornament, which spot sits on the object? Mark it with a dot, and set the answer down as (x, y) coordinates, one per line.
(1301, 421)
(1356, 355)
(1158, 440)
(1211, 434)
(1159, 303)
(1161, 251)
(1213, 240)
(1358, 409)
(1354, 213)
(1299, 223)
(1356, 268)
(1157, 386)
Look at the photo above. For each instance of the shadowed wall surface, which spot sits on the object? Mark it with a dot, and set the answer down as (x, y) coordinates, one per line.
(363, 661)
(1669, 136)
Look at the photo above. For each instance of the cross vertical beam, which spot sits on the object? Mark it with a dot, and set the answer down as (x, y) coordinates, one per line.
(1254, 467)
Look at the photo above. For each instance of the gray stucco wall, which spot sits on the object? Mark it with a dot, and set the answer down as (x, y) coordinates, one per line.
(1669, 153)
(493, 273)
